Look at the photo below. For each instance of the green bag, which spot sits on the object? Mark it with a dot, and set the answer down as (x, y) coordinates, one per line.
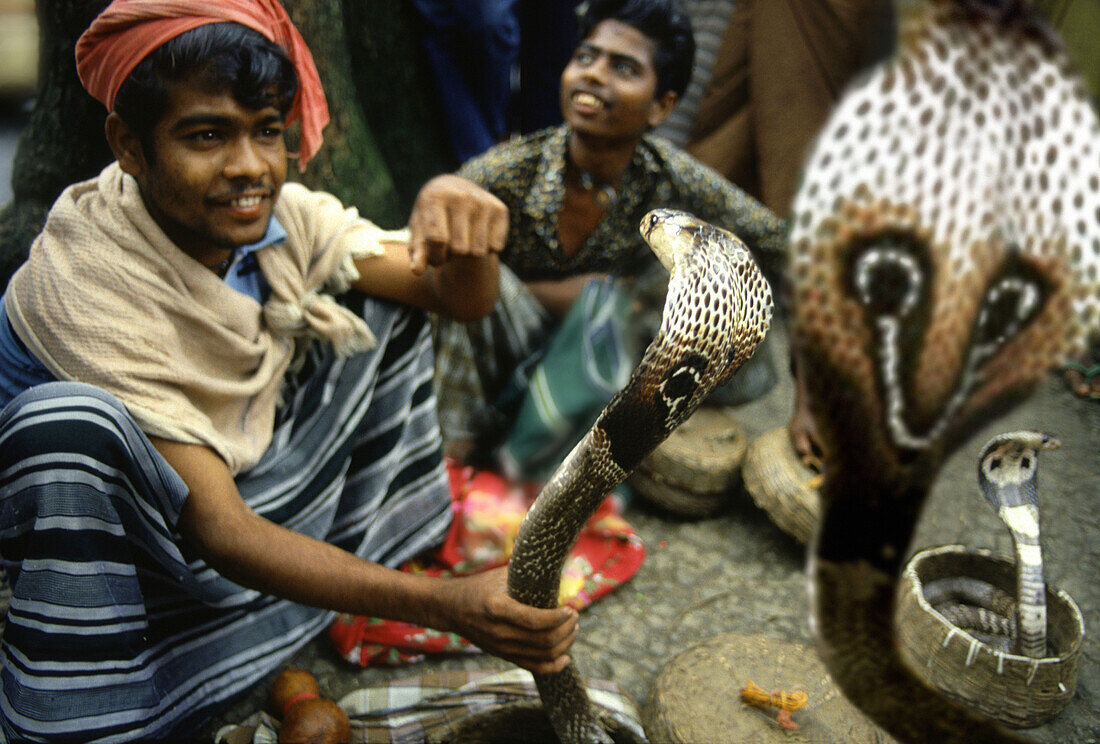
(587, 360)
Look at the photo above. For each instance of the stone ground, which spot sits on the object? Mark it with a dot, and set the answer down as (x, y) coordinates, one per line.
(737, 572)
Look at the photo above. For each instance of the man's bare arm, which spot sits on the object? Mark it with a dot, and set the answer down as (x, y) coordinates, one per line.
(261, 555)
(450, 264)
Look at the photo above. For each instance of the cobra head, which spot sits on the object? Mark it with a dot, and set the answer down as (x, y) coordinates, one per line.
(1008, 469)
(669, 233)
(945, 241)
(945, 255)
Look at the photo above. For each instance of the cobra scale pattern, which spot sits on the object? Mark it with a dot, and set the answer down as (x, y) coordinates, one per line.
(974, 158)
(717, 310)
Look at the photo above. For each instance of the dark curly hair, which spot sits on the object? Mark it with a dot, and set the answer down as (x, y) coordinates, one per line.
(664, 21)
(219, 57)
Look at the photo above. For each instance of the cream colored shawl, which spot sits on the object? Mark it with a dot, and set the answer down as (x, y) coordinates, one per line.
(106, 298)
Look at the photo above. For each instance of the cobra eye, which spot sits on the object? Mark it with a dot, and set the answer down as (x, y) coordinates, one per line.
(888, 280)
(1008, 306)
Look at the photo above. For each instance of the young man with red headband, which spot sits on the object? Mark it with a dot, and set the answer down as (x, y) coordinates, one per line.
(203, 454)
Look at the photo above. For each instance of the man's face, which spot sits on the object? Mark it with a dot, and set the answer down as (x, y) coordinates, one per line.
(215, 170)
(609, 86)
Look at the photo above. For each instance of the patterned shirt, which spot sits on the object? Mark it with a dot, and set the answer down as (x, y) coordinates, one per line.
(527, 175)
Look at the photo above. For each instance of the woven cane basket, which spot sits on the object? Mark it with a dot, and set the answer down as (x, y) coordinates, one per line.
(781, 485)
(1017, 690)
(694, 471)
(697, 697)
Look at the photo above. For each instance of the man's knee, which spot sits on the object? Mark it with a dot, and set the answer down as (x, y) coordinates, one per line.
(63, 391)
(60, 417)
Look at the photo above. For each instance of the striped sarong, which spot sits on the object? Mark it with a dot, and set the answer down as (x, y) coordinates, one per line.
(115, 632)
(482, 367)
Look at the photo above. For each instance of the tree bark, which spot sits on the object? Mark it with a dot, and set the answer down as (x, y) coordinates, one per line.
(369, 58)
(397, 92)
(349, 163)
(63, 142)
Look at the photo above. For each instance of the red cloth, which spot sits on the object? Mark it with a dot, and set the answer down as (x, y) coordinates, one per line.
(487, 514)
(128, 30)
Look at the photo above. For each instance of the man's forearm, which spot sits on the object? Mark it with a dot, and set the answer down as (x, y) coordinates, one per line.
(264, 556)
(467, 286)
(259, 554)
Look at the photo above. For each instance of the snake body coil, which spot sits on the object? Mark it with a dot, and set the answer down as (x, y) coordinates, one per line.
(717, 311)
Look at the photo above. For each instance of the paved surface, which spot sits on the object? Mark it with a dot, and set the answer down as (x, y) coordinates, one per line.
(736, 572)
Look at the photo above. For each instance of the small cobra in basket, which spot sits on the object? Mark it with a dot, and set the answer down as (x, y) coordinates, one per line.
(985, 630)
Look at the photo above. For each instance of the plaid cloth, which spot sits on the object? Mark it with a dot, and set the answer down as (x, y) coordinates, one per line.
(428, 707)
(588, 359)
(481, 367)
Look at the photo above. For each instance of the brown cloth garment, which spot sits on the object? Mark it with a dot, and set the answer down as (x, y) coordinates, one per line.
(780, 68)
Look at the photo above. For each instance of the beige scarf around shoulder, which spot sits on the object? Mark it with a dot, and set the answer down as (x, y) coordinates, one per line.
(106, 298)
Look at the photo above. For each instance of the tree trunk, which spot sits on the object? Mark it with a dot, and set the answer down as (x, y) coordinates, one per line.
(397, 92)
(368, 55)
(63, 142)
(349, 163)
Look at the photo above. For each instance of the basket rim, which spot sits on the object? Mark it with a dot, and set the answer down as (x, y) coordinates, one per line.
(909, 575)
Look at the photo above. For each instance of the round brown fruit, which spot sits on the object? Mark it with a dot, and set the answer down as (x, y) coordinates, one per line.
(315, 721)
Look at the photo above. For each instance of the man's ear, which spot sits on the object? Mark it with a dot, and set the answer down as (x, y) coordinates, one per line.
(125, 145)
(661, 107)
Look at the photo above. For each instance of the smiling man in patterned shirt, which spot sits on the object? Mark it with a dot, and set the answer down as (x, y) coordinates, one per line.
(575, 195)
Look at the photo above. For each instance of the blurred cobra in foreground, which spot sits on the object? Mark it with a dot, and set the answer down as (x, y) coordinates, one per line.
(945, 255)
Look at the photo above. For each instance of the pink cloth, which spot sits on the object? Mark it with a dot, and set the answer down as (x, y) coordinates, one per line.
(128, 30)
(488, 510)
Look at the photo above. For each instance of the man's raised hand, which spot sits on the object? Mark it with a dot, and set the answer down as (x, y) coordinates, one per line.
(453, 216)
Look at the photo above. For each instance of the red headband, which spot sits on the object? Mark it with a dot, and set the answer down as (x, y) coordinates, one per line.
(128, 30)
